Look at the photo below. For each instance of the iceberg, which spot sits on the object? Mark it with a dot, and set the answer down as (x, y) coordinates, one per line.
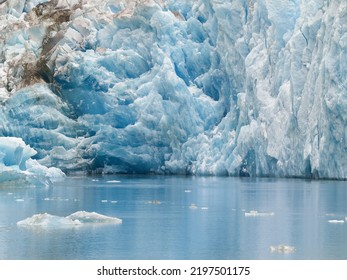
(84, 217)
(155, 201)
(255, 213)
(336, 221)
(283, 249)
(78, 218)
(47, 221)
(240, 88)
(193, 206)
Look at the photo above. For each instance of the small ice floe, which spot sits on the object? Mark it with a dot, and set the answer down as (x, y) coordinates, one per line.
(155, 201)
(336, 221)
(47, 220)
(104, 201)
(187, 191)
(19, 199)
(283, 249)
(254, 213)
(55, 199)
(93, 218)
(193, 206)
(79, 218)
(95, 180)
(114, 201)
(10, 193)
(113, 181)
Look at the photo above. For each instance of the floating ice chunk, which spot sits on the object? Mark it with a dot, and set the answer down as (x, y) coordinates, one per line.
(193, 206)
(19, 199)
(254, 213)
(113, 181)
(336, 221)
(76, 219)
(155, 201)
(104, 201)
(187, 191)
(93, 217)
(204, 208)
(284, 249)
(114, 201)
(47, 220)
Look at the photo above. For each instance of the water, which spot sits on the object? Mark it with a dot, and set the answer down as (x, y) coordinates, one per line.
(179, 218)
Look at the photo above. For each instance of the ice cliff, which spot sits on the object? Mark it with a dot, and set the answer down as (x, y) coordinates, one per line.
(210, 87)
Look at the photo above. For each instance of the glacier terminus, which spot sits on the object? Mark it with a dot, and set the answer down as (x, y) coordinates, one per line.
(206, 87)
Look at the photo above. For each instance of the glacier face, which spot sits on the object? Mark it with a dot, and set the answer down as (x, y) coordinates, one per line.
(210, 87)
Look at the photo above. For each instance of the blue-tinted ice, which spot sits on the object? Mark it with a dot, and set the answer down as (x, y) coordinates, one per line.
(186, 87)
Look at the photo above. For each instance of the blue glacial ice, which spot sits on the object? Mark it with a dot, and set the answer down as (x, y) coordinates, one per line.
(17, 165)
(242, 87)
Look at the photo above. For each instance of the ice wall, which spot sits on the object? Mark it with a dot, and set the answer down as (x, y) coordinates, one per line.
(237, 87)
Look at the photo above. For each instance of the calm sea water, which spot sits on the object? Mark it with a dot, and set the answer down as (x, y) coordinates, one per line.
(179, 218)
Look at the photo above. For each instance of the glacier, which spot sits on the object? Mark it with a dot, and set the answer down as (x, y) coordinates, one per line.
(206, 87)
